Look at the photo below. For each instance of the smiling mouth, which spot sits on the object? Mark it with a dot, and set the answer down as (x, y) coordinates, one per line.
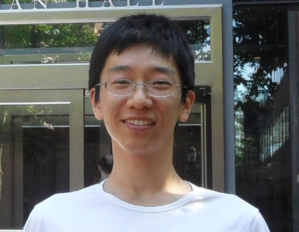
(136, 122)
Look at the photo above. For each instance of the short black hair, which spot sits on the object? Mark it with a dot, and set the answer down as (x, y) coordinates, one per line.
(106, 163)
(156, 31)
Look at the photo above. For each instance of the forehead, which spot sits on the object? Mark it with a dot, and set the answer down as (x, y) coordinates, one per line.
(140, 58)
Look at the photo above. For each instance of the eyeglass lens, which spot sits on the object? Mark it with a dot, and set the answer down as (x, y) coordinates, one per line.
(125, 87)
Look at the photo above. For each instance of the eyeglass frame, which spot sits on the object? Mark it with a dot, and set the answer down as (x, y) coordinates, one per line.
(142, 84)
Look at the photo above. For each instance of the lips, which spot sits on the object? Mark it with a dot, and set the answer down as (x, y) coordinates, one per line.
(137, 122)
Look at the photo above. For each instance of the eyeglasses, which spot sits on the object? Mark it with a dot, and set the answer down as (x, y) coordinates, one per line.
(155, 88)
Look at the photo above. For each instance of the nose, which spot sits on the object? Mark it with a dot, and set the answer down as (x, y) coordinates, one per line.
(140, 98)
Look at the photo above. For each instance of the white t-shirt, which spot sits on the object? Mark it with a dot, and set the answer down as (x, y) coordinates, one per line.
(93, 210)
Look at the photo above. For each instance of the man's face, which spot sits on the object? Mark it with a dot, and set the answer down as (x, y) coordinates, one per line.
(139, 122)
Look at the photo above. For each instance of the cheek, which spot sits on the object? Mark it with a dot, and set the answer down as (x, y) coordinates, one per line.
(172, 109)
(111, 106)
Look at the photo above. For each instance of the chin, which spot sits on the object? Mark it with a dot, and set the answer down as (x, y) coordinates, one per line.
(142, 150)
(141, 146)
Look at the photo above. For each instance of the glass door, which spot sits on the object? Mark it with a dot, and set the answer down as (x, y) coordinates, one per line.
(192, 145)
(41, 149)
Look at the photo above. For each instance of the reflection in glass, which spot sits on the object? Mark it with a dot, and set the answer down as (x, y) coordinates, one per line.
(187, 153)
(45, 164)
(198, 33)
(97, 143)
(192, 151)
(34, 157)
(262, 96)
(51, 43)
(73, 43)
(91, 155)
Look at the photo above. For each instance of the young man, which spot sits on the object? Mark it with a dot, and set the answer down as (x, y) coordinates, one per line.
(141, 81)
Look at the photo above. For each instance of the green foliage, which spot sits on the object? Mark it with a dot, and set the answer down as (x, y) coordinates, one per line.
(85, 35)
(44, 36)
(198, 35)
(260, 43)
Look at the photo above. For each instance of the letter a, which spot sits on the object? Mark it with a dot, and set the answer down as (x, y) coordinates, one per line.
(154, 3)
(15, 3)
(129, 3)
(108, 1)
(43, 4)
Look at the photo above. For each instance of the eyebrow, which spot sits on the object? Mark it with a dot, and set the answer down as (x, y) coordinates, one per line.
(159, 69)
(119, 68)
(165, 70)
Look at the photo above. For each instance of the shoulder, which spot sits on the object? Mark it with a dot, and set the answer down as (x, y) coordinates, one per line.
(66, 206)
(70, 199)
(229, 201)
(68, 202)
(230, 208)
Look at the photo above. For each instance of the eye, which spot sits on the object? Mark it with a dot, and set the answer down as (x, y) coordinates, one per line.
(161, 83)
(121, 82)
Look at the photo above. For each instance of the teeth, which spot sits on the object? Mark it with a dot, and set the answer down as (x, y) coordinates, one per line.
(138, 122)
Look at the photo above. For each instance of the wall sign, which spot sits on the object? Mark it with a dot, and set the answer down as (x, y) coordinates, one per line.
(80, 4)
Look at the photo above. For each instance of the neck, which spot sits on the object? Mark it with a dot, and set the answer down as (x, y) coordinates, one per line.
(144, 177)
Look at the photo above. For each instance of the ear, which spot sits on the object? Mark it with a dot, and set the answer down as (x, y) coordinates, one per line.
(190, 98)
(96, 106)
